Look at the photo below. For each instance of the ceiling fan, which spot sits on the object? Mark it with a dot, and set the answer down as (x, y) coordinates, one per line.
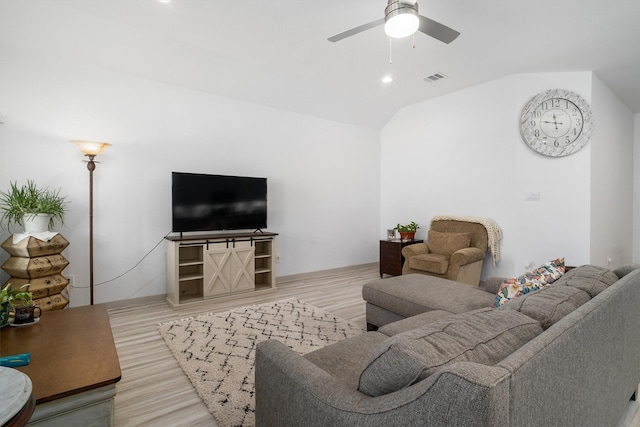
(401, 20)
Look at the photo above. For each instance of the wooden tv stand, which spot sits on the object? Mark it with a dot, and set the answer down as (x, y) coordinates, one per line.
(74, 365)
(219, 265)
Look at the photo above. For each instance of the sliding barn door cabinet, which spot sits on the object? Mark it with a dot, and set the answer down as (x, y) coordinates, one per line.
(219, 265)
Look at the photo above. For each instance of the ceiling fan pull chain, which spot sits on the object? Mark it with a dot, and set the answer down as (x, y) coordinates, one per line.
(390, 50)
(414, 41)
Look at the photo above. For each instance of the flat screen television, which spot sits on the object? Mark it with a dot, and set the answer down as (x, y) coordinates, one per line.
(202, 202)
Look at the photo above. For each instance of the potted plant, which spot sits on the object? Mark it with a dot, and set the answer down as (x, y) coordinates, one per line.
(22, 302)
(21, 298)
(10, 297)
(24, 204)
(407, 231)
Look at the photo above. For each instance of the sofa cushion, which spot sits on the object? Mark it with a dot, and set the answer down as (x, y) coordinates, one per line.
(484, 336)
(413, 322)
(549, 304)
(433, 263)
(625, 269)
(590, 278)
(447, 243)
(530, 281)
(344, 359)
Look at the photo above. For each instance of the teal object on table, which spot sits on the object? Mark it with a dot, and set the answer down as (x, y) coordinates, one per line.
(15, 360)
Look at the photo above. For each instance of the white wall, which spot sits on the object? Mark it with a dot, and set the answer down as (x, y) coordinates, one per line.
(323, 176)
(439, 157)
(611, 179)
(461, 154)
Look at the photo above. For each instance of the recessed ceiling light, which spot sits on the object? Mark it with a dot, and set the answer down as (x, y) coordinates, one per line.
(164, 1)
(387, 79)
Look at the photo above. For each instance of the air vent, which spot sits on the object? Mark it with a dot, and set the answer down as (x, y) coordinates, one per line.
(434, 77)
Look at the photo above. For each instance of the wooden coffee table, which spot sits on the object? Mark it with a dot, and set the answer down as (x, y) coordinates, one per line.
(74, 364)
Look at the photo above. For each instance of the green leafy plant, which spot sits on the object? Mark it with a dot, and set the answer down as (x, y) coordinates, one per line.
(16, 297)
(407, 228)
(6, 294)
(29, 199)
(23, 298)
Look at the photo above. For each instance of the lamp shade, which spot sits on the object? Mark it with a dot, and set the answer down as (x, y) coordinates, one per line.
(401, 19)
(91, 148)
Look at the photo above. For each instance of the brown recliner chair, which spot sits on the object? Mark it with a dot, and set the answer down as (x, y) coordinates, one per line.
(454, 250)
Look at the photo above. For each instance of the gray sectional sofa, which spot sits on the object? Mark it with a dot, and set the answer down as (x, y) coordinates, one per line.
(567, 355)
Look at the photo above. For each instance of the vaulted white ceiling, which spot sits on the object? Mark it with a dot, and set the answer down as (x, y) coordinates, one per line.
(276, 53)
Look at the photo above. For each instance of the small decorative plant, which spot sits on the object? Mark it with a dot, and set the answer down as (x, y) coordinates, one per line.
(5, 305)
(16, 297)
(29, 199)
(6, 294)
(23, 298)
(11, 297)
(412, 227)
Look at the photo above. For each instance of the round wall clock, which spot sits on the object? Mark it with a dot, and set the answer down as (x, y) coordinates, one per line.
(556, 123)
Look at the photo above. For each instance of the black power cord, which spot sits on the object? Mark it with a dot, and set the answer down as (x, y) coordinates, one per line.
(129, 270)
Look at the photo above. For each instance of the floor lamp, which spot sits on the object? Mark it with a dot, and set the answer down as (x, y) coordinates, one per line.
(91, 149)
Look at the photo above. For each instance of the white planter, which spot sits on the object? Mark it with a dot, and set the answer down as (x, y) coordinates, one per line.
(36, 223)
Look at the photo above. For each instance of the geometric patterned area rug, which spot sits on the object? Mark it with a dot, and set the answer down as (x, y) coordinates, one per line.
(217, 350)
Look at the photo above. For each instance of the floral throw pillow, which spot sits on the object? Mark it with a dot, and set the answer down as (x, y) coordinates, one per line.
(531, 281)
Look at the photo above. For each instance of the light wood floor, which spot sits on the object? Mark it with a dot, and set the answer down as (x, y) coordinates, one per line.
(155, 392)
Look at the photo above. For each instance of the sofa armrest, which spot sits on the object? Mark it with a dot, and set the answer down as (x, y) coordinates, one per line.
(492, 284)
(415, 249)
(466, 256)
(292, 391)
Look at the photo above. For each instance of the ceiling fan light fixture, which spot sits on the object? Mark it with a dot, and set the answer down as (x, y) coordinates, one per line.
(401, 19)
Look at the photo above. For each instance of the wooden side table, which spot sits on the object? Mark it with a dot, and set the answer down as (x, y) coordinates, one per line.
(391, 258)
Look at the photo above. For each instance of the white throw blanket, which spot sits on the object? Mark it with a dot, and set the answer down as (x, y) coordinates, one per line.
(494, 233)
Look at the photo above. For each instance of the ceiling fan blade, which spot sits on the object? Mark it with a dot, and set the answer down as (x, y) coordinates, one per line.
(437, 30)
(355, 30)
